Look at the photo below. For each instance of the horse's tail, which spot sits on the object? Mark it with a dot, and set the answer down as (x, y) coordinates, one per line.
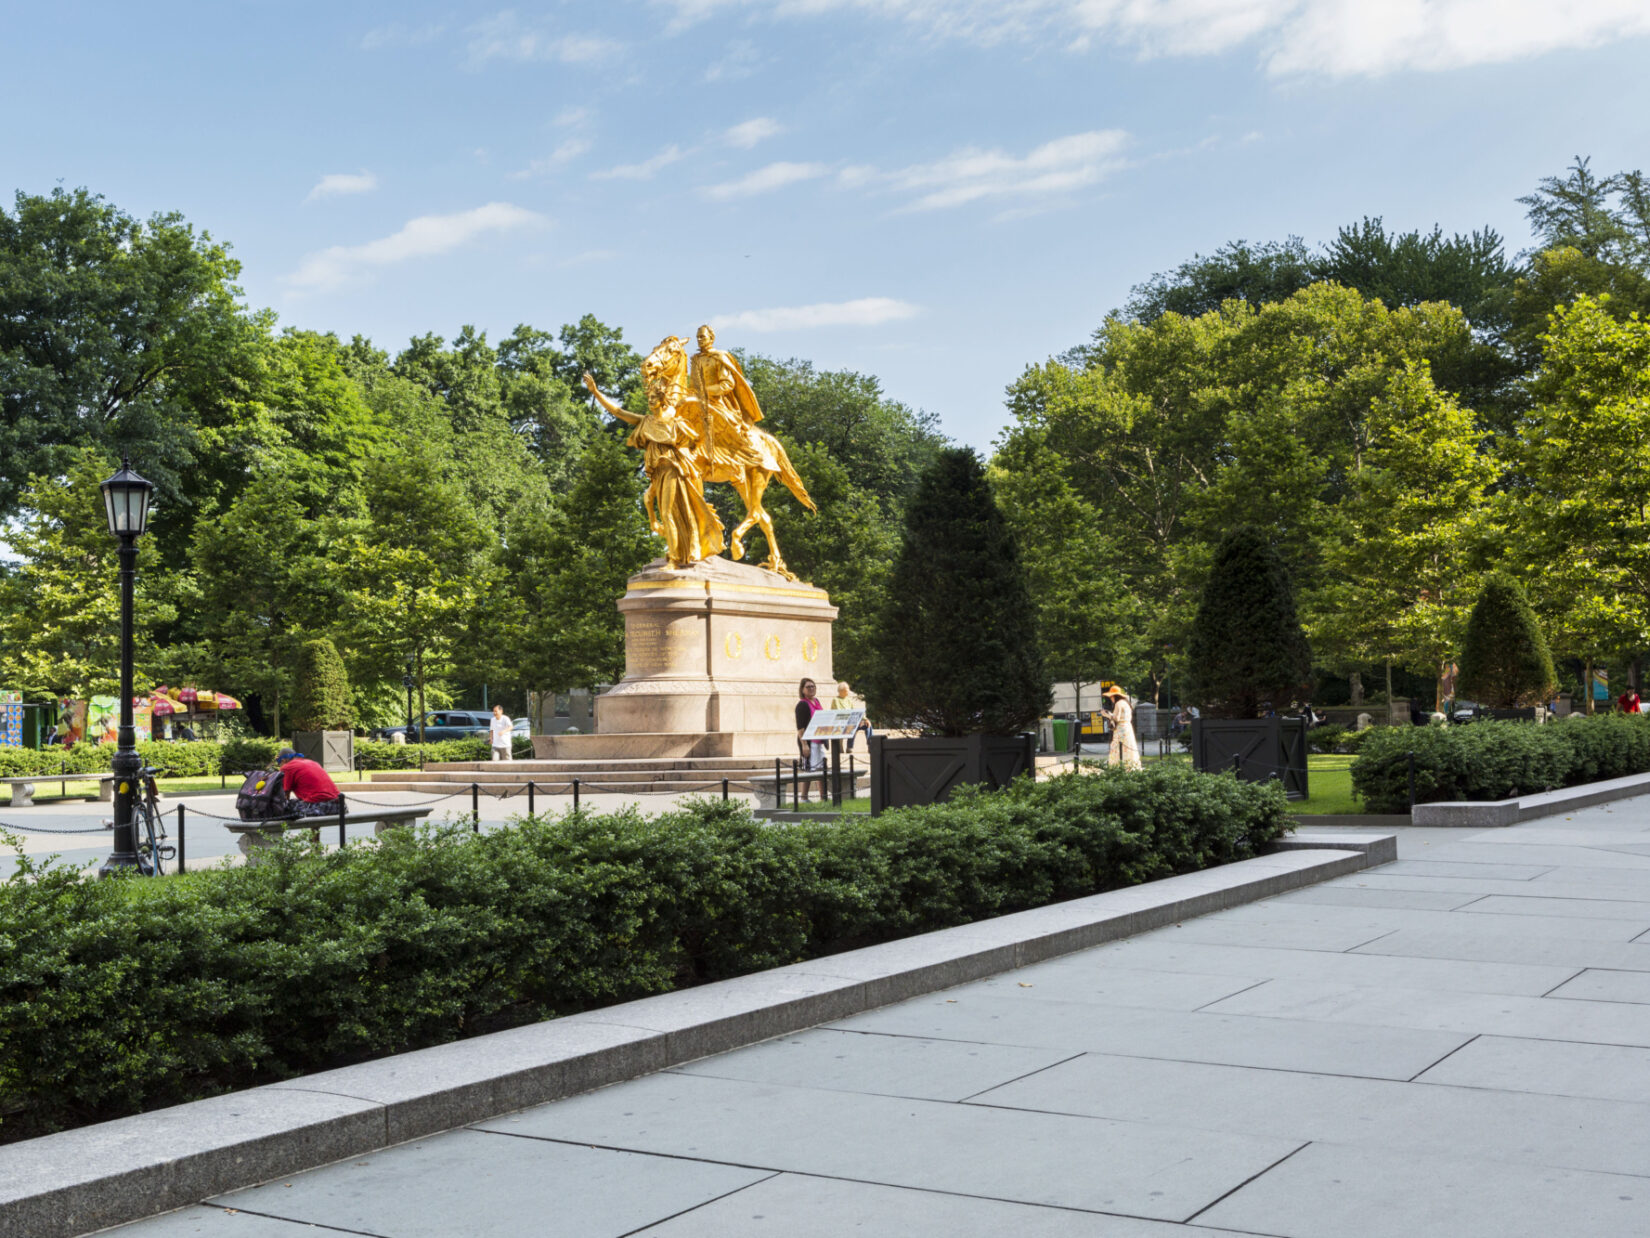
(788, 474)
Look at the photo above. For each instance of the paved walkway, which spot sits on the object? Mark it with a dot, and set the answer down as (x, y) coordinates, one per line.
(1456, 1044)
(209, 840)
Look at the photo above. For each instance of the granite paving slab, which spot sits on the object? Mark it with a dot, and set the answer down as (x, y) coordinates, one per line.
(1472, 943)
(1538, 1018)
(1153, 1171)
(212, 1221)
(1318, 927)
(1335, 894)
(1369, 965)
(1599, 984)
(1334, 1191)
(795, 1206)
(481, 1185)
(1548, 1067)
(1544, 904)
(1597, 1134)
(1235, 1040)
(846, 1062)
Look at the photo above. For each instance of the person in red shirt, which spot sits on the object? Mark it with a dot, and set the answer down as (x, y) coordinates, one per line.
(311, 789)
(1629, 702)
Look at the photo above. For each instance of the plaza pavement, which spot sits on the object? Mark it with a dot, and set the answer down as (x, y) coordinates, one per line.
(1456, 1044)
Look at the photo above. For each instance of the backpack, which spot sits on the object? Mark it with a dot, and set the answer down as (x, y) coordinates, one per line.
(262, 796)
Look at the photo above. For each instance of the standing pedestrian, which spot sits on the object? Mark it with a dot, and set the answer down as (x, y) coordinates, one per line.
(811, 751)
(844, 699)
(500, 732)
(1125, 744)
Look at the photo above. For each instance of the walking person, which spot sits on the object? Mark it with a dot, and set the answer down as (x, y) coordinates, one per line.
(1125, 744)
(811, 751)
(500, 732)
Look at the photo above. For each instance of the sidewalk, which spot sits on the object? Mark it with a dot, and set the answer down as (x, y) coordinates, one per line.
(1456, 1044)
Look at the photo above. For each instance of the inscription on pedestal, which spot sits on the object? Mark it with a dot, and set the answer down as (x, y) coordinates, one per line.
(655, 648)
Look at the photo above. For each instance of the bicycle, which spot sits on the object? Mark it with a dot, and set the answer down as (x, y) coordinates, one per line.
(149, 827)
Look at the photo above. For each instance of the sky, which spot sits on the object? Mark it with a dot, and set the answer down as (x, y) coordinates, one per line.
(937, 192)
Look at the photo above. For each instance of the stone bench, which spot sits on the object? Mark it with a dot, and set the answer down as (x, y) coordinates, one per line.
(252, 837)
(22, 788)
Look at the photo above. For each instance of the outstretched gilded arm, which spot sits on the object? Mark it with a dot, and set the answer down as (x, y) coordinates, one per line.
(612, 406)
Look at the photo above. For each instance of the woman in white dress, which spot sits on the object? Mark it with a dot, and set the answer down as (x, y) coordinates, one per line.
(1125, 744)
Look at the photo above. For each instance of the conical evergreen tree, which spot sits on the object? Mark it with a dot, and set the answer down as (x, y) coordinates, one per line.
(1246, 644)
(321, 696)
(956, 648)
(1505, 662)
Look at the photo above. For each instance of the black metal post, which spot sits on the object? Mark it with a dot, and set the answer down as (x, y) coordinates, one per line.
(796, 797)
(343, 810)
(475, 807)
(853, 778)
(181, 856)
(778, 785)
(1412, 783)
(126, 762)
(724, 790)
(530, 810)
(575, 795)
(836, 773)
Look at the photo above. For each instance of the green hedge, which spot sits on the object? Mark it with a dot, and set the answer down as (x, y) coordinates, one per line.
(1497, 760)
(187, 758)
(119, 996)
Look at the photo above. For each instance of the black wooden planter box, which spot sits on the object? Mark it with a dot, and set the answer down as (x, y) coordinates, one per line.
(910, 772)
(1259, 749)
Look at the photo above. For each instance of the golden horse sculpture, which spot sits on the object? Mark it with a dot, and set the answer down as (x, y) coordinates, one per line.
(700, 427)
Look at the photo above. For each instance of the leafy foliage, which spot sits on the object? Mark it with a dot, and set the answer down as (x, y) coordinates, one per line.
(1247, 647)
(957, 650)
(322, 700)
(1504, 657)
(119, 996)
(1497, 760)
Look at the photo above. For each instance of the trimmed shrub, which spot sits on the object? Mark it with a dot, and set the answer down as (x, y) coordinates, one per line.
(1246, 644)
(120, 996)
(1326, 738)
(184, 758)
(1504, 658)
(1497, 760)
(321, 698)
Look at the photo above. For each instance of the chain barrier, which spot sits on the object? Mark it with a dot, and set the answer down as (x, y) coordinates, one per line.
(42, 829)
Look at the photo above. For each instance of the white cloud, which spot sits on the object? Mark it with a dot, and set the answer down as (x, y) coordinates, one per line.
(398, 34)
(572, 118)
(341, 184)
(866, 312)
(750, 132)
(764, 180)
(556, 159)
(1336, 38)
(644, 171)
(969, 175)
(739, 63)
(504, 36)
(424, 237)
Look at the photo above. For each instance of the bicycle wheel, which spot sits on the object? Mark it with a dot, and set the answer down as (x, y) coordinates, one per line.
(151, 855)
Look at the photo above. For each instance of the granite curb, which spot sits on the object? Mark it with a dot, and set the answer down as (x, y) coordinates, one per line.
(1495, 814)
(72, 1183)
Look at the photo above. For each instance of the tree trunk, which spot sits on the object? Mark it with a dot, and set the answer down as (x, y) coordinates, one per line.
(276, 695)
(418, 673)
(1587, 686)
(1355, 681)
(1390, 705)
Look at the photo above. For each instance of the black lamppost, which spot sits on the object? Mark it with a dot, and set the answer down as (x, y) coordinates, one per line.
(126, 502)
(407, 683)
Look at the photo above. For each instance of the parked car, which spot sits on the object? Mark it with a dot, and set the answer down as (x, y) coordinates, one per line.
(521, 729)
(442, 724)
(1466, 711)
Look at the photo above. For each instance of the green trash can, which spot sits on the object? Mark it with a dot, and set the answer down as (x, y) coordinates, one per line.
(1062, 735)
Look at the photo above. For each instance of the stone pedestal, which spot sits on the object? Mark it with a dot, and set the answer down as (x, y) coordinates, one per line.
(713, 657)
